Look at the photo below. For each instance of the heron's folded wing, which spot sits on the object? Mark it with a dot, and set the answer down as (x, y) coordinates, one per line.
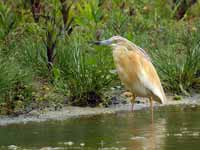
(150, 79)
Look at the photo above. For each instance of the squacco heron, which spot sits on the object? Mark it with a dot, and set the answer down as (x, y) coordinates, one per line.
(135, 70)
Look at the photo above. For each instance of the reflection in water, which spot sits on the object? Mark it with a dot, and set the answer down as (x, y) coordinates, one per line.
(173, 128)
(153, 136)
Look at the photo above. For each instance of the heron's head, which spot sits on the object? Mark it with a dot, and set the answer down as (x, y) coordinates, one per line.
(113, 41)
(118, 41)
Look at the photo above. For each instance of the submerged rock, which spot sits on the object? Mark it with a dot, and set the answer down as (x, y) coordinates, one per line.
(82, 144)
(137, 138)
(52, 148)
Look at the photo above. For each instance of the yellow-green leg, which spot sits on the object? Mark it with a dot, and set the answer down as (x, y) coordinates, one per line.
(151, 105)
(132, 102)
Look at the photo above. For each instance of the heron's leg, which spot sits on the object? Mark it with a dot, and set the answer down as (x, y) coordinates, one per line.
(132, 101)
(151, 104)
(132, 97)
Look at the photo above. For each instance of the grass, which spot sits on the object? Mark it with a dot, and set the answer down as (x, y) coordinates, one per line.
(177, 58)
(15, 87)
(85, 69)
(79, 71)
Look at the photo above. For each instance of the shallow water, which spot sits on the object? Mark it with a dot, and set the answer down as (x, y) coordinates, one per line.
(174, 127)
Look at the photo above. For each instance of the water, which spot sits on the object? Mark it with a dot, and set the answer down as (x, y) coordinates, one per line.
(176, 127)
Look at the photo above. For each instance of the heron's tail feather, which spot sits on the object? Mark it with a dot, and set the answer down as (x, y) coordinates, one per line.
(161, 97)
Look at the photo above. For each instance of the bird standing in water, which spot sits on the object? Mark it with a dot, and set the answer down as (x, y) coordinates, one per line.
(135, 70)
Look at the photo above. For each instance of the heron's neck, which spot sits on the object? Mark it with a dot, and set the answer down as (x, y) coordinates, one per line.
(120, 49)
(134, 47)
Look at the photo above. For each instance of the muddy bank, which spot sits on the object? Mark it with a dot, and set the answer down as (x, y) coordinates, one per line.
(71, 112)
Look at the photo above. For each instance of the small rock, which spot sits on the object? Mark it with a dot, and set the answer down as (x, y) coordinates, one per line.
(118, 87)
(124, 102)
(137, 102)
(12, 147)
(66, 100)
(112, 88)
(82, 144)
(70, 143)
(114, 100)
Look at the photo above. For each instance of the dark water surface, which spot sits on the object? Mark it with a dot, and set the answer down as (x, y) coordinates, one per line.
(174, 127)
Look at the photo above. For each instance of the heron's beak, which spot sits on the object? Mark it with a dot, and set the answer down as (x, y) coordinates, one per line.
(104, 42)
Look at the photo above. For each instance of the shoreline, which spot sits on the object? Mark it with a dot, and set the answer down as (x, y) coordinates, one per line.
(68, 112)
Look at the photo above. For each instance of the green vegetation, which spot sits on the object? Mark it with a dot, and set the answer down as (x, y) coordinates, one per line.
(46, 57)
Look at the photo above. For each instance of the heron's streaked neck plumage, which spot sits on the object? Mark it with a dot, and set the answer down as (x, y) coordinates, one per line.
(131, 46)
(142, 51)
